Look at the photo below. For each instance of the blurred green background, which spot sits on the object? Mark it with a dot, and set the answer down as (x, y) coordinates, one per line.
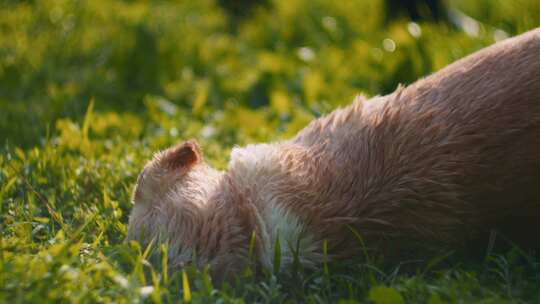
(286, 60)
(89, 89)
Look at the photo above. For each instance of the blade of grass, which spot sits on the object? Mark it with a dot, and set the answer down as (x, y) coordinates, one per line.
(277, 254)
(185, 287)
(57, 217)
(362, 243)
(164, 262)
(325, 257)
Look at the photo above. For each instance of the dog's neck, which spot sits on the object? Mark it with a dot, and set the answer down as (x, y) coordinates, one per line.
(271, 178)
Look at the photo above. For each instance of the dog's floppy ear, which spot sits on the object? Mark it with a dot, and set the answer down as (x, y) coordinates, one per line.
(183, 156)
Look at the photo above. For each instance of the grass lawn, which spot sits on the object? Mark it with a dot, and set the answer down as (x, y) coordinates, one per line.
(90, 89)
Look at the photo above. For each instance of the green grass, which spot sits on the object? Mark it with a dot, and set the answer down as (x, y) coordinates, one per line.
(90, 89)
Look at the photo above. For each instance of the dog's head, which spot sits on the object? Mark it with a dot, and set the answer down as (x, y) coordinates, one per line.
(171, 202)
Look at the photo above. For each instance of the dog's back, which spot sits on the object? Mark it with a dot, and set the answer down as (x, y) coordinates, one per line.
(446, 160)
(489, 107)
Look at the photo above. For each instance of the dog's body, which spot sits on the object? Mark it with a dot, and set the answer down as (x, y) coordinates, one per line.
(434, 166)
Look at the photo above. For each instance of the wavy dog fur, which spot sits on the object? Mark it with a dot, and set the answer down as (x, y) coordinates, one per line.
(433, 166)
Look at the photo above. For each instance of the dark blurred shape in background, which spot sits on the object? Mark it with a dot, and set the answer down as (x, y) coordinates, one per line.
(238, 10)
(416, 10)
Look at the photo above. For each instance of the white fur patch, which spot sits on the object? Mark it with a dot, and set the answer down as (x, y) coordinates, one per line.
(294, 240)
(257, 168)
(254, 158)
